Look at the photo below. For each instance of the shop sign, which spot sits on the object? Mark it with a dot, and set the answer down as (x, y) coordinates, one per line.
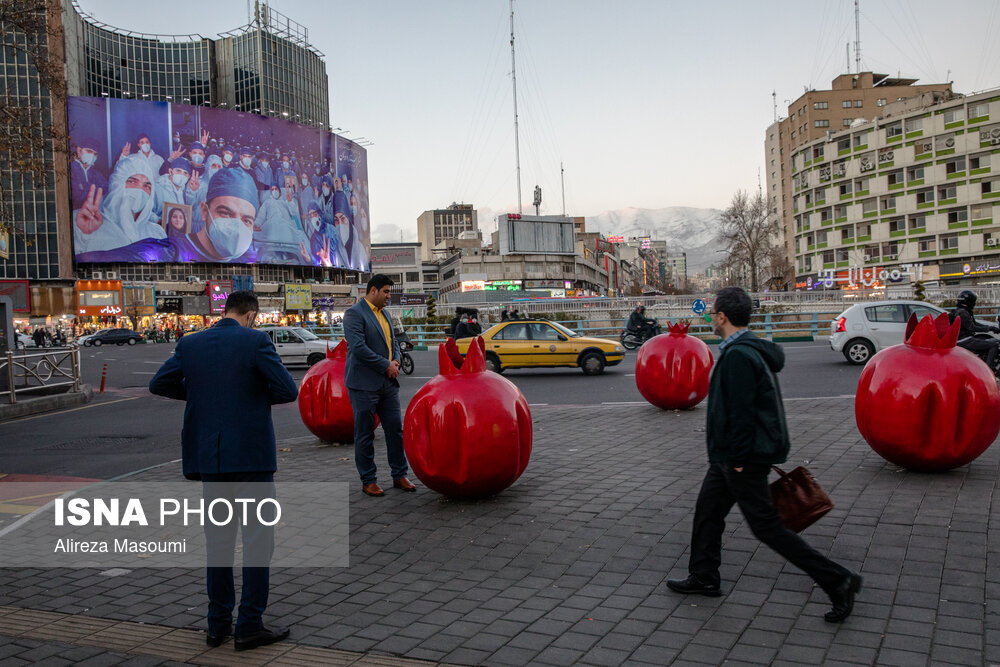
(218, 291)
(169, 304)
(18, 292)
(473, 285)
(98, 298)
(331, 302)
(616, 239)
(383, 258)
(503, 286)
(542, 284)
(298, 297)
(196, 305)
(969, 269)
(408, 299)
(862, 277)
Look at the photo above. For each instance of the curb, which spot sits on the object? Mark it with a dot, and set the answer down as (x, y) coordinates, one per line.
(31, 406)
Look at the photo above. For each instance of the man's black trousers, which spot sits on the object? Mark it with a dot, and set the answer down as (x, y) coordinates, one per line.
(721, 488)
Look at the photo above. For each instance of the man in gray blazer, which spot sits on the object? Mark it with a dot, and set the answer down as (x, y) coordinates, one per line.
(370, 375)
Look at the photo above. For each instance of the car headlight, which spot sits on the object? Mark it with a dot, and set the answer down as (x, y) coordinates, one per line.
(619, 348)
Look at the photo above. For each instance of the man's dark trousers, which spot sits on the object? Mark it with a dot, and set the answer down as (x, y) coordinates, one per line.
(257, 539)
(385, 403)
(721, 488)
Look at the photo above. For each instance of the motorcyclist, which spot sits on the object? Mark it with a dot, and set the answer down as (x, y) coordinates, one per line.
(967, 335)
(639, 324)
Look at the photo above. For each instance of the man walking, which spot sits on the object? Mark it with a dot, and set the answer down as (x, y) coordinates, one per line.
(230, 376)
(746, 434)
(370, 374)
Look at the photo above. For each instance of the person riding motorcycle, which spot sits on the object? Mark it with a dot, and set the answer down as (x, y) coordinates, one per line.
(639, 324)
(969, 328)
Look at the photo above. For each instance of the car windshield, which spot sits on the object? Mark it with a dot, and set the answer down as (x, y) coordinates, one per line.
(305, 334)
(564, 330)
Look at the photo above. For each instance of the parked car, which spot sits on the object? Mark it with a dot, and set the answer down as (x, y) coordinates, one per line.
(865, 328)
(544, 344)
(296, 345)
(115, 336)
(24, 341)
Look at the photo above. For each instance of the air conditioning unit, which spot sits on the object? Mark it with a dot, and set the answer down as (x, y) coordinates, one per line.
(193, 279)
(949, 142)
(868, 258)
(995, 141)
(111, 275)
(889, 257)
(96, 275)
(992, 242)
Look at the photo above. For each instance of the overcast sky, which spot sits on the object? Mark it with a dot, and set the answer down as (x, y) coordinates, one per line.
(647, 103)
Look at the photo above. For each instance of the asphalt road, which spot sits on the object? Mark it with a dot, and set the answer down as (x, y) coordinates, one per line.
(126, 428)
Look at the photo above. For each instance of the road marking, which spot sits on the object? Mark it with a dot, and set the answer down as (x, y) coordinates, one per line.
(62, 412)
(630, 375)
(537, 405)
(152, 362)
(143, 372)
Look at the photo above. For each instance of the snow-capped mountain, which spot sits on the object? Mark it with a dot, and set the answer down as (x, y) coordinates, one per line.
(690, 230)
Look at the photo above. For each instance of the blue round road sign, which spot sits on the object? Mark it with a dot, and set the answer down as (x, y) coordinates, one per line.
(698, 306)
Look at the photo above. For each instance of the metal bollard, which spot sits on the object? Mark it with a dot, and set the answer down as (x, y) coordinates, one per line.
(104, 375)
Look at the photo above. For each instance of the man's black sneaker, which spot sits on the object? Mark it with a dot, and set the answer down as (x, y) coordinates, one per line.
(262, 637)
(692, 586)
(842, 598)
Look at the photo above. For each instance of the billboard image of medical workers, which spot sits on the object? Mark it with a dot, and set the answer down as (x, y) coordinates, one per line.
(164, 182)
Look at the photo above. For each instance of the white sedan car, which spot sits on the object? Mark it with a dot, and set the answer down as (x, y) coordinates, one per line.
(865, 328)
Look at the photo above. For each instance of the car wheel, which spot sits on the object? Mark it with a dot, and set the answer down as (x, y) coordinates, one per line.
(131, 341)
(315, 358)
(592, 363)
(493, 363)
(858, 351)
(97, 343)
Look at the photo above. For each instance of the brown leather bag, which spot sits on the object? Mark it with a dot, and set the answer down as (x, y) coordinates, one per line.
(799, 498)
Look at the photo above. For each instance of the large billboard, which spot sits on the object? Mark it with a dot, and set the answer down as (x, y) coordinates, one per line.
(166, 182)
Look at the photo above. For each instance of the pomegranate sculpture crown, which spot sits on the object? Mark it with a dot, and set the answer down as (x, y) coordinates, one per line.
(679, 328)
(936, 334)
(475, 358)
(339, 352)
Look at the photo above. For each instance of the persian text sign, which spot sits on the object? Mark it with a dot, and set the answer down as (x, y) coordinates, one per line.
(298, 297)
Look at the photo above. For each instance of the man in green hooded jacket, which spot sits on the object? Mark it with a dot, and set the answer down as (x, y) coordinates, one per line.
(747, 434)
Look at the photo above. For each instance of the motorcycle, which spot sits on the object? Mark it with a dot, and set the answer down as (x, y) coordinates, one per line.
(632, 340)
(982, 354)
(405, 347)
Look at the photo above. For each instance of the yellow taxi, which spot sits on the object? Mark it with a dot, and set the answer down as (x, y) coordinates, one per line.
(544, 344)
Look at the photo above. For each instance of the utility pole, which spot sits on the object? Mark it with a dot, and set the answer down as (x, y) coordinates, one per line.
(513, 79)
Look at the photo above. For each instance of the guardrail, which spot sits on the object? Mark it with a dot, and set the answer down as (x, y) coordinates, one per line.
(39, 372)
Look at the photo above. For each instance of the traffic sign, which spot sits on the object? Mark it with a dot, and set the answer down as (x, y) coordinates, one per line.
(699, 306)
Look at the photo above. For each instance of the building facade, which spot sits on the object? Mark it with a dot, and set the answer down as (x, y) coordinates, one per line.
(818, 113)
(266, 67)
(439, 225)
(912, 195)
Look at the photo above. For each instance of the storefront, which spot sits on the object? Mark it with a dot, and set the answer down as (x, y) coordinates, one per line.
(99, 304)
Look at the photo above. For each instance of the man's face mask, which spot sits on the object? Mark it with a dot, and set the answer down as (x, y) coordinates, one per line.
(230, 237)
(88, 157)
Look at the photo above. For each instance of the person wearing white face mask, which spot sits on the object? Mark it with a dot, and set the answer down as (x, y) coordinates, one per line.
(84, 172)
(229, 213)
(263, 175)
(283, 172)
(307, 195)
(121, 217)
(144, 151)
(227, 157)
(173, 186)
(349, 256)
(199, 188)
(277, 236)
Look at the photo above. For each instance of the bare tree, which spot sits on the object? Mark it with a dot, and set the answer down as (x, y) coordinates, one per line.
(752, 236)
(28, 136)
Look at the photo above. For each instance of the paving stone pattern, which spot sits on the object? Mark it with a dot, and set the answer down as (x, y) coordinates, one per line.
(568, 566)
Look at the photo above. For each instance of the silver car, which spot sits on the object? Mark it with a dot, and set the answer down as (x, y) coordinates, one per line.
(296, 345)
(865, 328)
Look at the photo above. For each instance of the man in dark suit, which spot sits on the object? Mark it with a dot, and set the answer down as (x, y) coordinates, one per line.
(370, 375)
(230, 375)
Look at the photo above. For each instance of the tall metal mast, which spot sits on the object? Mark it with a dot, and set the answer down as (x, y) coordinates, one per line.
(562, 181)
(857, 37)
(513, 78)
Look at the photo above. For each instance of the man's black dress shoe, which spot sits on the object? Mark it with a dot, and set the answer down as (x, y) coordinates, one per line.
(692, 585)
(842, 598)
(262, 637)
(216, 640)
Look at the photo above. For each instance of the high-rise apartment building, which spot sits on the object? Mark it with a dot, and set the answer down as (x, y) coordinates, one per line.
(818, 113)
(910, 195)
(444, 224)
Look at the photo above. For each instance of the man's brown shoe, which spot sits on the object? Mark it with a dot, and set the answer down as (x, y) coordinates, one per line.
(373, 489)
(404, 484)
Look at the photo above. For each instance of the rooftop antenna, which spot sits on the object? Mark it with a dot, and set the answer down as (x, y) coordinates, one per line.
(848, 48)
(513, 79)
(562, 181)
(857, 36)
(774, 102)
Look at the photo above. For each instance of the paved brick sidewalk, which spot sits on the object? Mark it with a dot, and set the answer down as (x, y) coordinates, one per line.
(568, 566)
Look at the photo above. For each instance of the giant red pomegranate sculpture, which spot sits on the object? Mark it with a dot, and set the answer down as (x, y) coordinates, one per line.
(323, 402)
(467, 432)
(673, 369)
(926, 404)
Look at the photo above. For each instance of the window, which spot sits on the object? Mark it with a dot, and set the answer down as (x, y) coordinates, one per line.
(890, 250)
(989, 187)
(865, 229)
(917, 222)
(895, 177)
(843, 144)
(979, 110)
(413, 277)
(845, 188)
(944, 141)
(914, 174)
(517, 331)
(846, 234)
(888, 203)
(947, 192)
(954, 115)
(821, 105)
(840, 211)
(982, 211)
(859, 140)
(894, 130)
(817, 152)
(949, 241)
(821, 123)
(824, 215)
(887, 313)
(542, 331)
(848, 121)
(820, 195)
(955, 166)
(980, 161)
(861, 184)
(880, 102)
(914, 124)
(846, 104)
(958, 215)
(858, 104)
(897, 224)
(840, 169)
(927, 244)
(828, 257)
(430, 277)
(925, 196)
(869, 205)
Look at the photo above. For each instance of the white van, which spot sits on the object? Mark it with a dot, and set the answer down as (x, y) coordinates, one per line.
(296, 345)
